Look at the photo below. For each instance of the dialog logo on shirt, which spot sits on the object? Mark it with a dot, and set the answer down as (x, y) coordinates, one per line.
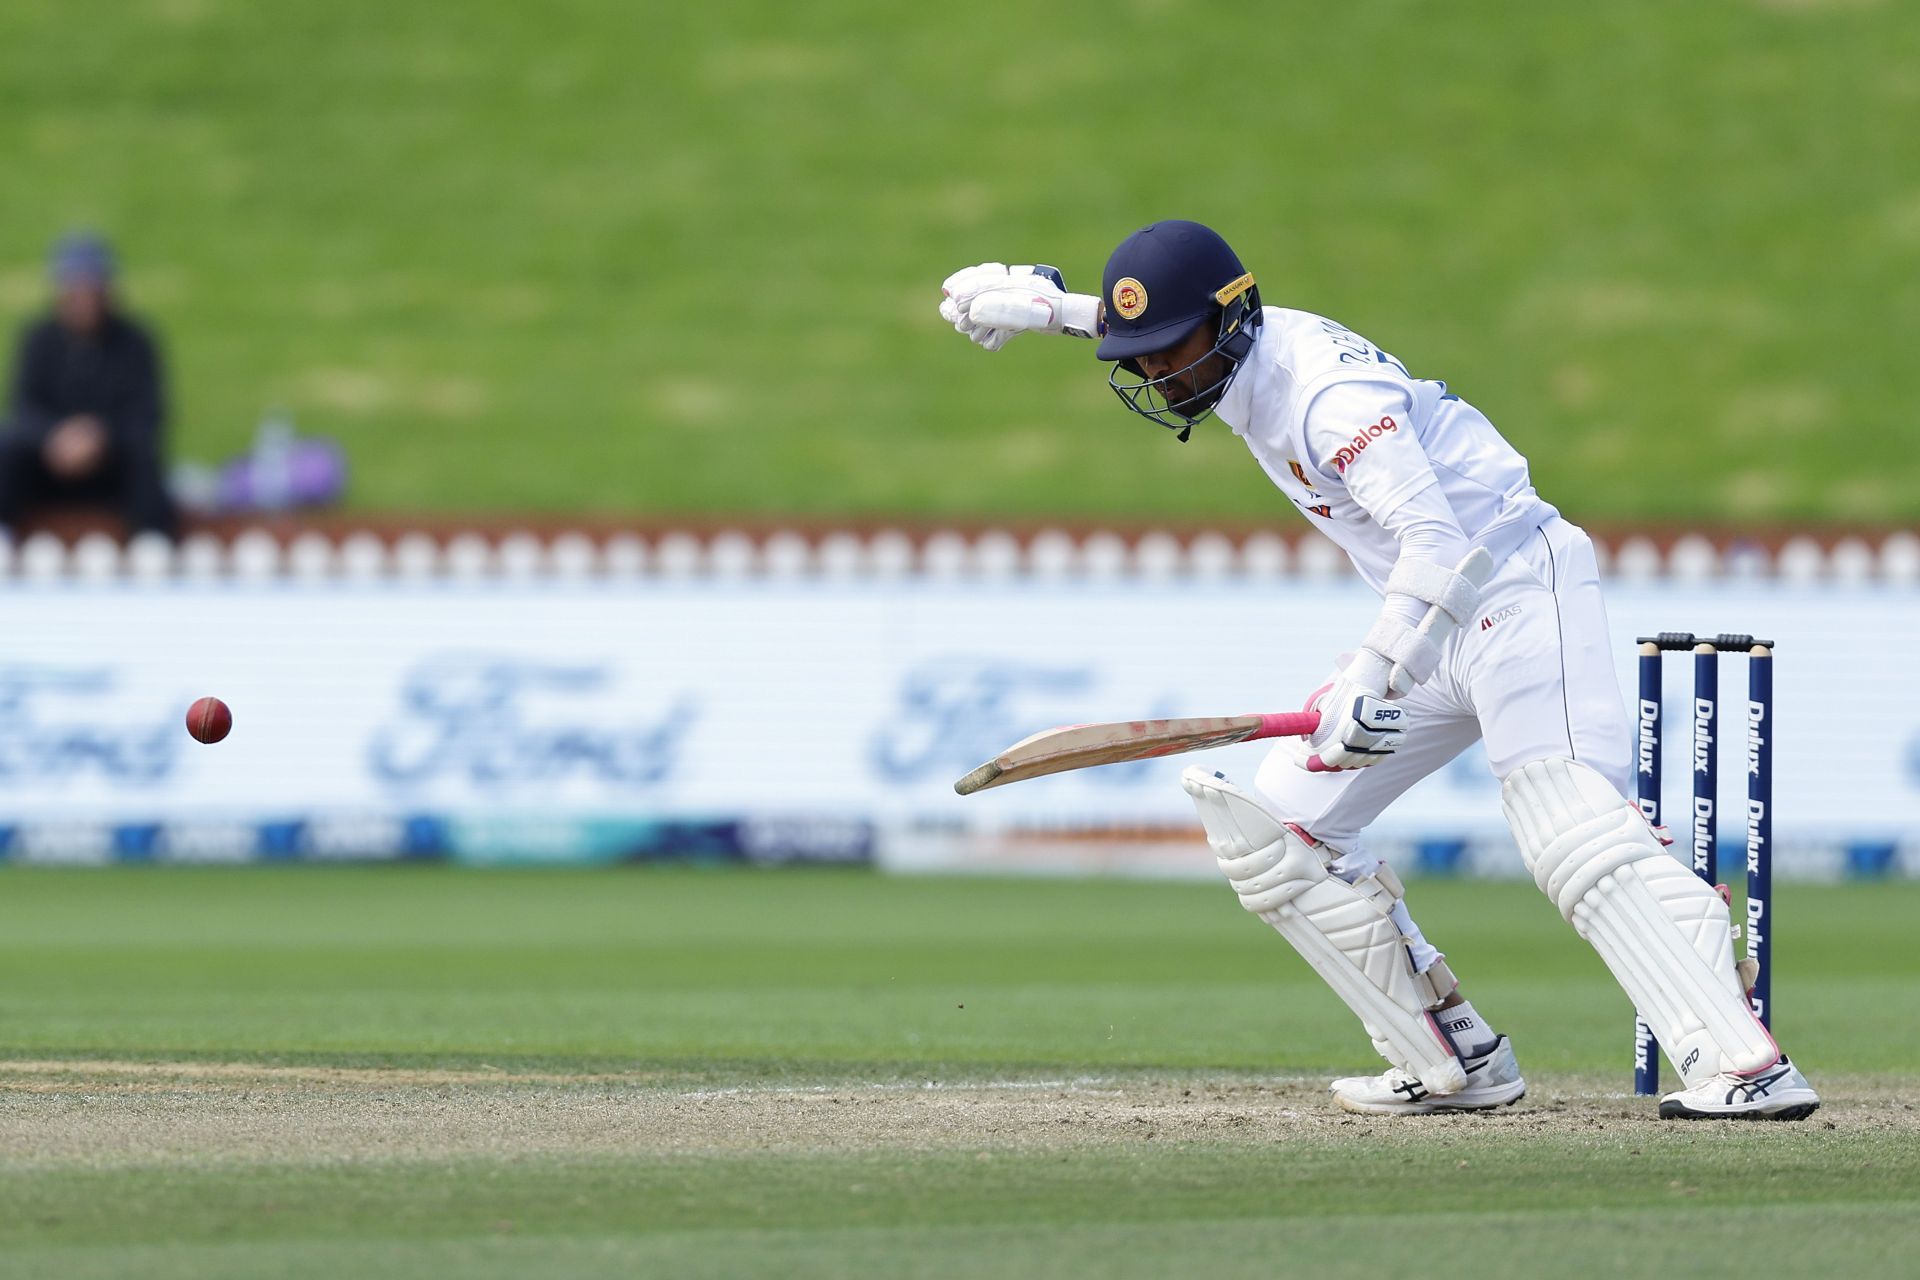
(1351, 451)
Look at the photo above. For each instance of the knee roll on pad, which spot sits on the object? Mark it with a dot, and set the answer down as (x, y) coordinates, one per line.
(1663, 932)
(1572, 828)
(1344, 931)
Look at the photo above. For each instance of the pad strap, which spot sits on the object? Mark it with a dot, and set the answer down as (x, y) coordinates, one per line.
(1384, 889)
(1439, 983)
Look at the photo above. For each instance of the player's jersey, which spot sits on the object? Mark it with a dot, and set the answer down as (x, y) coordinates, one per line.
(1349, 435)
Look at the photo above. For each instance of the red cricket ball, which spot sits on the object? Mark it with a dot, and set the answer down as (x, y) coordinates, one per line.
(209, 720)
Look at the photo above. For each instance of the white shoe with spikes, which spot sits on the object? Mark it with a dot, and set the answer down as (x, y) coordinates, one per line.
(1778, 1093)
(1493, 1080)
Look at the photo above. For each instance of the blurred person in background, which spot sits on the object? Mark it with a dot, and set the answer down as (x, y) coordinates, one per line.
(86, 416)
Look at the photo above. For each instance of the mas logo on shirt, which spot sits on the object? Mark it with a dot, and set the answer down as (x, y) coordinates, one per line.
(1350, 452)
(1498, 616)
(1129, 298)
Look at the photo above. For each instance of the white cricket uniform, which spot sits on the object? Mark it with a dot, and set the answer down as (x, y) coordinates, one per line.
(1355, 443)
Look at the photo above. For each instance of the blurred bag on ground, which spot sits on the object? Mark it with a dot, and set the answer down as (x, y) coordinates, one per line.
(283, 470)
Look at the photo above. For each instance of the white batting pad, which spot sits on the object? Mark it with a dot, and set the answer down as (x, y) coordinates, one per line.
(1343, 931)
(1663, 931)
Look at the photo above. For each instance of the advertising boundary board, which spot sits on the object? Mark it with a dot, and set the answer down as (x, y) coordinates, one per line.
(814, 720)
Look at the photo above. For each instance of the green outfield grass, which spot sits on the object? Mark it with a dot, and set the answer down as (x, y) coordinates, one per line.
(799, 978)
(594, 997)
(593, 256)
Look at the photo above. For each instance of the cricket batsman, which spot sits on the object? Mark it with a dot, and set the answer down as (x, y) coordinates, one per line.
(1491, 626)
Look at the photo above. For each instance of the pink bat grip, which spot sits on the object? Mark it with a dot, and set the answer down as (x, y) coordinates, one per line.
(1288, 724)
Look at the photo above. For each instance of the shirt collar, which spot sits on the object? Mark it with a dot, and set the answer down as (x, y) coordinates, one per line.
(1236, 406)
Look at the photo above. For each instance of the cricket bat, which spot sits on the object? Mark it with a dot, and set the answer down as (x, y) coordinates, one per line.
(1081, 746)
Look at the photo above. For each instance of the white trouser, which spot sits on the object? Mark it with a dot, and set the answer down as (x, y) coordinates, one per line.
(1532, 674)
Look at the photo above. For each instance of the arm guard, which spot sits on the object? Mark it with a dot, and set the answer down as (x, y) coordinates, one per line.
(1412, 654)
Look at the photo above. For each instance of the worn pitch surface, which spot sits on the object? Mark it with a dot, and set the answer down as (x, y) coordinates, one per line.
(101, 1114)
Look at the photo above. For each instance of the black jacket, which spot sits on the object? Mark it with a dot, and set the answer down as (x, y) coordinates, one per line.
(114, 375)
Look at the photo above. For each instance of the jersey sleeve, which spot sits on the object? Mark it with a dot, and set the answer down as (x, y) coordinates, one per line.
(1360, 434)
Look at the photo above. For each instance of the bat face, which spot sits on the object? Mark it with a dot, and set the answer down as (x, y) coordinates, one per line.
(1082, 746)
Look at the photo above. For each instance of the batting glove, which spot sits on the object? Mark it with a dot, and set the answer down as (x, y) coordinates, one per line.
(992, 302)
(1358, 726)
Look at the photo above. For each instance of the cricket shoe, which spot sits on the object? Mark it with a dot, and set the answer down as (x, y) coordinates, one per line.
(1778, 1093)
(1493, 1080)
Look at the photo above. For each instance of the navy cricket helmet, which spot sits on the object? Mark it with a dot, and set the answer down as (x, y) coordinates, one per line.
(1165, 281)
